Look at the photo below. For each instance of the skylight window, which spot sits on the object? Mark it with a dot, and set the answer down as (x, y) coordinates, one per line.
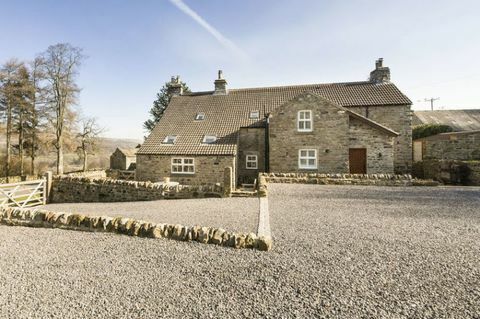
(209, 139)
(200, 116)
(255, 114)
(170, 139)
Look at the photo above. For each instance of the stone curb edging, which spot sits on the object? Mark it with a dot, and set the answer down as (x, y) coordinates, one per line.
(129, 226)
(264, 218)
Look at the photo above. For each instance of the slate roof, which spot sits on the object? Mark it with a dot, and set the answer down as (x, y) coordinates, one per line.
(226, 114)
(459, 120)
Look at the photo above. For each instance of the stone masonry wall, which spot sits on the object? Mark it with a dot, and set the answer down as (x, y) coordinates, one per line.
(379, 146)
(251, 142)
(329, 136)
(78, 190)
(208, 169)
(342, 179)
(452, 146)
(399, 119)
(449, 171)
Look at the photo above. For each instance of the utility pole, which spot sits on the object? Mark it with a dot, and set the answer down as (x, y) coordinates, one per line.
(431, 100)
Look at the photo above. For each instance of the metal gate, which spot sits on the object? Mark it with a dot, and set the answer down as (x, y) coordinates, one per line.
(23, 194)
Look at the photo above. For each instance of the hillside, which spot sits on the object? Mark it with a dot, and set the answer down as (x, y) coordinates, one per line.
(46, 158)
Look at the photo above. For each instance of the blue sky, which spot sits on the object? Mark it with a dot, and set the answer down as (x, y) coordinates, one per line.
(133, 47)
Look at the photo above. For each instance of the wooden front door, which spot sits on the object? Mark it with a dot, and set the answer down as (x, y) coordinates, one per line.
(358, 160)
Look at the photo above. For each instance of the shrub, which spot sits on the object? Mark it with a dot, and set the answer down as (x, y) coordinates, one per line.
(426, 130)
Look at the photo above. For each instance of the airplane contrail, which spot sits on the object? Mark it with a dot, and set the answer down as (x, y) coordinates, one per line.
(229, 44)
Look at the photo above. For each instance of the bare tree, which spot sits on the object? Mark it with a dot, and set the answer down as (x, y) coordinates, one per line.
(10, 93)
(38, 102)
(60, 66)
(88, 136)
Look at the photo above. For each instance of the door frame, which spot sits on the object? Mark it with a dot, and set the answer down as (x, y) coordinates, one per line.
(364, 149)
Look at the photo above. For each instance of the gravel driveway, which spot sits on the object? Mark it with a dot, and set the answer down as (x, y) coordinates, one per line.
(339, 252)
(234, 214)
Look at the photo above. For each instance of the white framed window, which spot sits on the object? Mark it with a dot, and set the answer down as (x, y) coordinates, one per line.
(252, 161)
(181, 165)
(200, 116)
(305, 121)
(307, 159)
(255, 114)
(170, 139)
(209, 139)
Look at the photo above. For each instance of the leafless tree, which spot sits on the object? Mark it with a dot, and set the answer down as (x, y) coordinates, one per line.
(90, 131)
(38, 102)
(60, 64)
(10, 98)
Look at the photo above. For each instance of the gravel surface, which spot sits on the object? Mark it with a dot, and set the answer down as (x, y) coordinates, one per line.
(234, 214)
(339, 252)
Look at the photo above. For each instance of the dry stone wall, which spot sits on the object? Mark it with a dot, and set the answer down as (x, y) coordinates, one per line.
(132, 227)
(82, 189)
(95, 173)
(343, 179)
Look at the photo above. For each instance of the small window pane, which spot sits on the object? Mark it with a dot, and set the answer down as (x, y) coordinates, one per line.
(311, 153)
(311, 162)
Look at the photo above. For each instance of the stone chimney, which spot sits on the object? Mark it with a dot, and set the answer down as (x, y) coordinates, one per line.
(220, 85)
(381, 74)
(175, 86)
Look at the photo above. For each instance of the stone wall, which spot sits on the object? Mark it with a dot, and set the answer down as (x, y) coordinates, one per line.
(329, 137)
(449, 171)
(452, 146)
(208, 169)
(77, 190)
(343, 179)
(132, 227)
(399, 119)
(94, 173)
(380, 154)
(251, 142)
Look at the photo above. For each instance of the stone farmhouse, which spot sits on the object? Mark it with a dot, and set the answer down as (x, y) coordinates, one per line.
(461, 144)
(353, 127)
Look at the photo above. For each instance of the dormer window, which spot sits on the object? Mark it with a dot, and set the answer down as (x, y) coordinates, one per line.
(255, 114)
(209, 139)
(170, 139)
(200, 116)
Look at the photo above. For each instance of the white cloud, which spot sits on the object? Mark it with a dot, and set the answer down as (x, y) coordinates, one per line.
(227, 43)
